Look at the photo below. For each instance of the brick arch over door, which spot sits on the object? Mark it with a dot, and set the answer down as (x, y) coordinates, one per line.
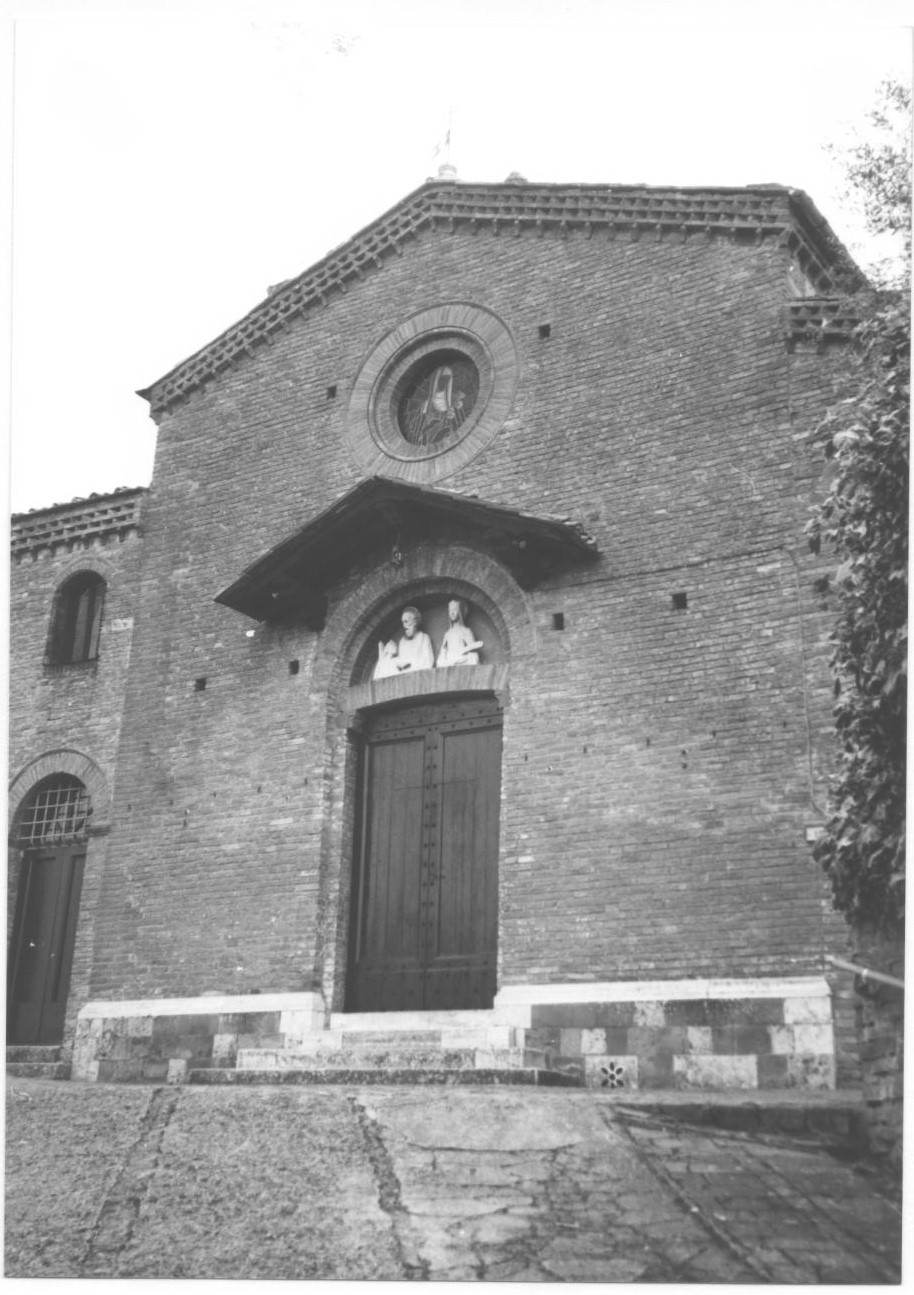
(75, 763)
(426, 569)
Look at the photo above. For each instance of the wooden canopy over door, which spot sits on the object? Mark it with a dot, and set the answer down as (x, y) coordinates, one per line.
(425, 897)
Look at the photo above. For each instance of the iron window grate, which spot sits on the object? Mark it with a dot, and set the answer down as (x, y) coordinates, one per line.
(56, 812)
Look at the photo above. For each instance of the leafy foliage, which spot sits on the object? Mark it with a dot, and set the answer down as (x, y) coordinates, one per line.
(878, 181)
(864, 518)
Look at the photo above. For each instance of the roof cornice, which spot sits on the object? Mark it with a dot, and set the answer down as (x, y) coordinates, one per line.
(609, 210)
(77, 524)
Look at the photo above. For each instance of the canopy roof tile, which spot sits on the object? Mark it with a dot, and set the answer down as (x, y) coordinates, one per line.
(380, 514)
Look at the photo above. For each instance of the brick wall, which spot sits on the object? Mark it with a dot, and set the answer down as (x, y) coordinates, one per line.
(66, 719)
(69, 706)
(657, 768)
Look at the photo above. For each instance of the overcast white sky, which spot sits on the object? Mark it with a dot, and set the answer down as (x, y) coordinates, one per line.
(169, 161)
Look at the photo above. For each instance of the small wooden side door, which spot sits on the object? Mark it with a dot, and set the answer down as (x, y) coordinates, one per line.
(44, 935)
(425, 901)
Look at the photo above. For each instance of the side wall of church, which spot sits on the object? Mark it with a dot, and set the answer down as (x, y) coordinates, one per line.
(660, 763)
(67, 719)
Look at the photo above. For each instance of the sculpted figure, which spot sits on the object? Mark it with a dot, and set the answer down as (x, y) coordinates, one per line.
(459, 646)
(414, 651)
(387, 660)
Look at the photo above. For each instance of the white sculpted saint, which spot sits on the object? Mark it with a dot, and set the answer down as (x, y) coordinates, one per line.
(459, 646)
(414, 651)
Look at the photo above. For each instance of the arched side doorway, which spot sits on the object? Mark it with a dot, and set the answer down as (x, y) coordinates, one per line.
(424, 908)
(51, 829)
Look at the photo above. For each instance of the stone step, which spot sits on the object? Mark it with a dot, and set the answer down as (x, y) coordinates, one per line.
(397, 1057)
(364, 1058)
(417, 1039)
(355, 1076)
(32, 1052)
(405, 1040)
(38, 1070)
(452, 1036)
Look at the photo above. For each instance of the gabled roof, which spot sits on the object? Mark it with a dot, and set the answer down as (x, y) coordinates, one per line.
(292, 579)
(759, 211)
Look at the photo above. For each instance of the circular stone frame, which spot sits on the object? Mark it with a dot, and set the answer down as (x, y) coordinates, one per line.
(373, 434)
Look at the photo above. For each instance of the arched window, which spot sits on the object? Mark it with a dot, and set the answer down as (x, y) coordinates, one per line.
(56, 812)
(77, 619)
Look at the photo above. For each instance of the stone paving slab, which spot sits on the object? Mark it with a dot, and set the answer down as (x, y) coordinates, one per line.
(392, 1183)
(514, 1189)
(791, 1215)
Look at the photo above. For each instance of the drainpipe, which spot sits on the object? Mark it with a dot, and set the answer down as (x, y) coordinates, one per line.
(865, 973)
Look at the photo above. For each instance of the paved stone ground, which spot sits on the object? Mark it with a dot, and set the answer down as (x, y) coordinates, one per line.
(380, 1183)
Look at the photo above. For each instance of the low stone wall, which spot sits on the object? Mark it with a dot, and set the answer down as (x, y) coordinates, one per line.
(160, 1040)
(689, 1034)
(774, 1040)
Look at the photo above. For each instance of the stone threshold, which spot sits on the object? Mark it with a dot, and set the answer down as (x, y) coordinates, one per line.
(409, 1022)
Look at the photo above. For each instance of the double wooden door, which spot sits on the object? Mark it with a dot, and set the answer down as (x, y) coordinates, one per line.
(425, 894)
(41, 953)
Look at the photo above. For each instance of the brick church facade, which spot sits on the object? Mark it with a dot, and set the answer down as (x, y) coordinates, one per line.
(578, 416)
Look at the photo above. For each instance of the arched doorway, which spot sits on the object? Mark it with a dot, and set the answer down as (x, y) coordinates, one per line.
(424, 910)
(50, 829)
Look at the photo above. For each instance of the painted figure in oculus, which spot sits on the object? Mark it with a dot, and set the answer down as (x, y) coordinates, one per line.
(438, 404)
(414, 651)
(459, 646)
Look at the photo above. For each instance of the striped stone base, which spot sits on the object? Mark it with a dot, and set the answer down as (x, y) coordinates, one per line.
(774, 1033)
(686, 1034)
(161, 1040)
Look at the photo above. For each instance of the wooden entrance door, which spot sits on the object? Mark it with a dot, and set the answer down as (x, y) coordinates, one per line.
(425, 899)
(41, 954)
